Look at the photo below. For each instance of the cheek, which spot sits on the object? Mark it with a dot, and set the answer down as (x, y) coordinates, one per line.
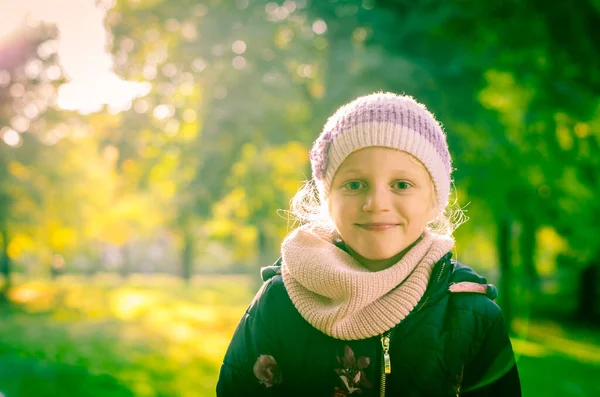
(334, 208)
(426, 203)
(340, 210)
(419, 209)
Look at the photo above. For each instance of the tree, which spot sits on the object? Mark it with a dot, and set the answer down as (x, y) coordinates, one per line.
(206, 64)
(28, 75)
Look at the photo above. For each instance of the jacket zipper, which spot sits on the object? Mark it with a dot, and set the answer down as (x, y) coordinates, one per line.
(459, 380)
(427, 302)
(441, 271)
(386, 365)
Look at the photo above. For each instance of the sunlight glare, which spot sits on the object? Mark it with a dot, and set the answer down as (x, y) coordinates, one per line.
(82, 54)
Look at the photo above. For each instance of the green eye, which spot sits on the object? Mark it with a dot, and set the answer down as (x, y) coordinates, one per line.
(402, 185)
(353, 185)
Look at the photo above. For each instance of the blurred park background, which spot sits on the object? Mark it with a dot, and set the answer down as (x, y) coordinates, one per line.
(148, 148)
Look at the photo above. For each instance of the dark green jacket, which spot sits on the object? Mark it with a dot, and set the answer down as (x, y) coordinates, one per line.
(451, 344)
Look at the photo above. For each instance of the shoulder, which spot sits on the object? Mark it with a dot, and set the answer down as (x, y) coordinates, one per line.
(462, 272)
(470, 292)
(472, 316)
(483, 310)
(272, 300)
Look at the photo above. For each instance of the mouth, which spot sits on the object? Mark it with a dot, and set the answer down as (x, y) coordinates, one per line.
(377, 226)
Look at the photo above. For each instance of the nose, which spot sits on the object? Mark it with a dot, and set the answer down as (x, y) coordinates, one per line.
(378, 199)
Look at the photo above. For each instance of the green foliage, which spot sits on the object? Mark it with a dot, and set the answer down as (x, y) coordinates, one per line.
(239, 89)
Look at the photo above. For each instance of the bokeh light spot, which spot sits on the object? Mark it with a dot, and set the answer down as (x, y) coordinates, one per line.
(33, 69)
(20, 123)
(141, 106)
(30, 111)
(152, 35)
(290, 6)
(47, 49)
(200, 10)
(186, 89)
(11, 137)
(319, 26)
(368, 4)
(149, 72)
(188, 31)
(239, 47)
(161, 112)
(17, 90)
(4, 78)
(359, 35)
(189, 115)
(172, 127)
(239, 62)
(305, 70)
(53, 72)
(127, 44)
(198, 65)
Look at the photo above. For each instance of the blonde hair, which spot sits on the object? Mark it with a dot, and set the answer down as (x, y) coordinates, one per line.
(307, 208)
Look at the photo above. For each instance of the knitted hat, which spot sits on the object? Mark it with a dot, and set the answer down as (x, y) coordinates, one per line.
(387, 120)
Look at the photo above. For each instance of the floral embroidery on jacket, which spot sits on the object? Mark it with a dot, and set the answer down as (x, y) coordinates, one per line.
(352, 373)
(267, 371)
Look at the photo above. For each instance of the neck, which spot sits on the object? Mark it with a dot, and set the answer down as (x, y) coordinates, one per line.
(376, 265)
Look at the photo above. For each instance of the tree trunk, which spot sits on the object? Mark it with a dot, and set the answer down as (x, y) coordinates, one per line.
(266, 257)
(505, 258)
(587, 304)
(54, 271)
(95, 262)
(527, 246)
(126, 260)
(187, 255)
(5, 266)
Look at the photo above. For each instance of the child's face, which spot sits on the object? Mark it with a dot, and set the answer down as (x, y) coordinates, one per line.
(380, 201)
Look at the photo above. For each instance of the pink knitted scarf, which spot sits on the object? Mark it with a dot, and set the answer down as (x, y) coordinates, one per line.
(343, 299)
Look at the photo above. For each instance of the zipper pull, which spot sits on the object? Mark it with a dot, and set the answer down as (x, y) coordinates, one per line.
(385, 343)
(459, 380)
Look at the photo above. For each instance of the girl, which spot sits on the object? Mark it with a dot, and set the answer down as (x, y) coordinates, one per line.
(366, 298)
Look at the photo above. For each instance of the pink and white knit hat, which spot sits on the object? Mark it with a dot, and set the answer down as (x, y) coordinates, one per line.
(387, 120)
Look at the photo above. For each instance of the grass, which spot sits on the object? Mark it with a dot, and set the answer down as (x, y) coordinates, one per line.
(146, 337)
(155, 336)
(557, 360)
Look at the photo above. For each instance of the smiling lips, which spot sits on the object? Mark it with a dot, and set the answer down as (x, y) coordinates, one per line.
(377, 226)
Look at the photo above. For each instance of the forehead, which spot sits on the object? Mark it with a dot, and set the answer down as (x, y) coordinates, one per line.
(381, 160)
